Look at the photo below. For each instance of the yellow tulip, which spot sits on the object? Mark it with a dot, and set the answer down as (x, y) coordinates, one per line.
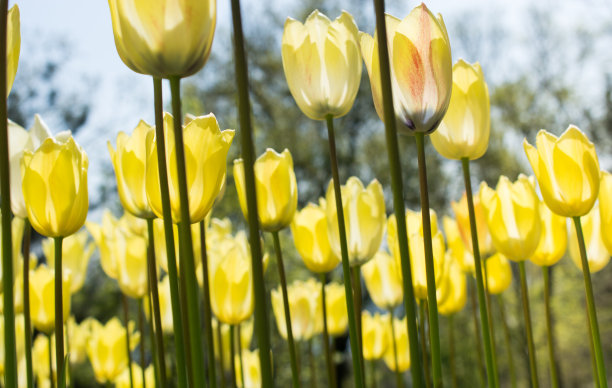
(401, 345)
(276, 188)
(553, 240)
(159, 243)
(597, 254)
(55, 186)
(165, 305)
(499, 274)
(78, 335)
(309, 229)
(129, 162)
(513, 216)
(134, 224)
(206, 149)
(42, 298)
(464, 130)
(322, 64)
(252, 372)
(165, 38)
(335, 307)
(40, 359)
(304, 307)
(76, 253)
(364, 218)
(383, 279)
(456, 247)
(107, 349)
(17, 227)
(567, 170)
(456, 283)
(13, 46)
(421, 69)
(104, 235)
(123, 381)
(605, 208)
(460, 208)
(375, 336)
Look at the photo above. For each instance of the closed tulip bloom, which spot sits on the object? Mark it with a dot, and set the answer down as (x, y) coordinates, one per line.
(567, 170)
(252, 371)
(364, 217)
(460, 208)
(55, 186)
(309, 229)
(456, 296)
(79, 335)
(165, 305)
(383, 280)
(42, 298)
(13, 46)
(553, 239)
(375, 335)
(335, 307)
(206, 148)
(456, 247)
(107, 349)
(130, 251)
(305, 309)
(513, 216)
(421, 69)
(605, 208)
(76, 252)
(402, 346)
(464, 130)
(499, 274)
(104, 235)
(276, 188)
(123, 381)
(322, 64)
(129, 162)
(40, 359)
(166, 38)
(597, 254)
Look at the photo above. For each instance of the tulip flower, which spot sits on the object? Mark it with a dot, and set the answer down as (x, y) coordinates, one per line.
(401, 346)
(55, 186)
(42, 298)
(309, 229)
(376, 338)
(464, 130)
(457, 289)
(567, 170)
(364, 217)
(305, 309)
(169, 39)
(107, 349)
(421, 69)
(103, 235)
(383, 280)
(553, 240)
(276, 188)
(123, 381)
(513, 216)
(597, 254)
(165, 306)
(206, 148)
(129, 162)
(76, 253)
(335, 307)
(605, 208)
(499, 274)
(322, 64)
(251, 373)
(456, 246)
(159, 242)
(460, 208)
(40, 359)
(79, 335)
(13, 46)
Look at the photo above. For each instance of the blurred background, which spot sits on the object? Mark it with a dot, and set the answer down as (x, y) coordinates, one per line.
(548, 64)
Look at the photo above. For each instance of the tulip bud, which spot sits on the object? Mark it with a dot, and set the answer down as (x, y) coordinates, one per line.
(252, 371)
(376, 338)
(567, 170)
(421, 69)
(597, 254)
(499, 274)
(276, 189)
(456, 284)
(79, 335)
(322, 64)
(42, 298)
(456, 247)
(206, 148)
(335, 307)
(76, 253)
(13, 46)
(553, 239)
(460, 208)
(401, 346)
(304, 307)
(166, 39)
(364, 218)
(383, 279)
(165, 305)
(40, 359)
(123, 381)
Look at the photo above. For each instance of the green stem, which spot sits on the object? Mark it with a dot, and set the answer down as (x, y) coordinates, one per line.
(155, 309)
(59, 312)
(592, 313)
(313, 366)
(346, 269)
(554, 376)
(239, 340)
(50, 348)
(507, 341)
(169, 235)
(373, 382)
(331, 377)
(185, 320)
(592, 350)
(398, 375)
(527, 316)
(212, 377)
(185, 239)
(10, 355)
(356, 271)
(153, 342)
(142, 341)
(451, 346)
(26, 303)
(424, 344)
(481, 373)
(221, 355)
(395, 170)
(68, 366)
(124, 300)
(232, 357)
(295, 373)
(432, 301)
(248, 152)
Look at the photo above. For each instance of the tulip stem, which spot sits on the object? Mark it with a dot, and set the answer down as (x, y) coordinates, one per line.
(185, 239)
(233, 357)
(124, 301)
(59, 313)
(248, 152)
(485, 318)
(346, 269)
(507, 342)
(169, 235)
(27, 233)
(527, 316)
(477, 336)
(153, 342)
(221, 355)
(422, 331)
(50, 348)
(356, 271)
(373, 382)
(142, 341)
(395, 169)
(592, 350)
(592, 313)
(331, 376)
(399, 382)
(432, 301)
(295, 373)
(185, 320)
(451, 346)
(240, 361)
(154, 300)
(554, 376)
(313, 366)
(212, 377)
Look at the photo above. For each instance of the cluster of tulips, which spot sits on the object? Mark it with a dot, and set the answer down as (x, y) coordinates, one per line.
(170, 175)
